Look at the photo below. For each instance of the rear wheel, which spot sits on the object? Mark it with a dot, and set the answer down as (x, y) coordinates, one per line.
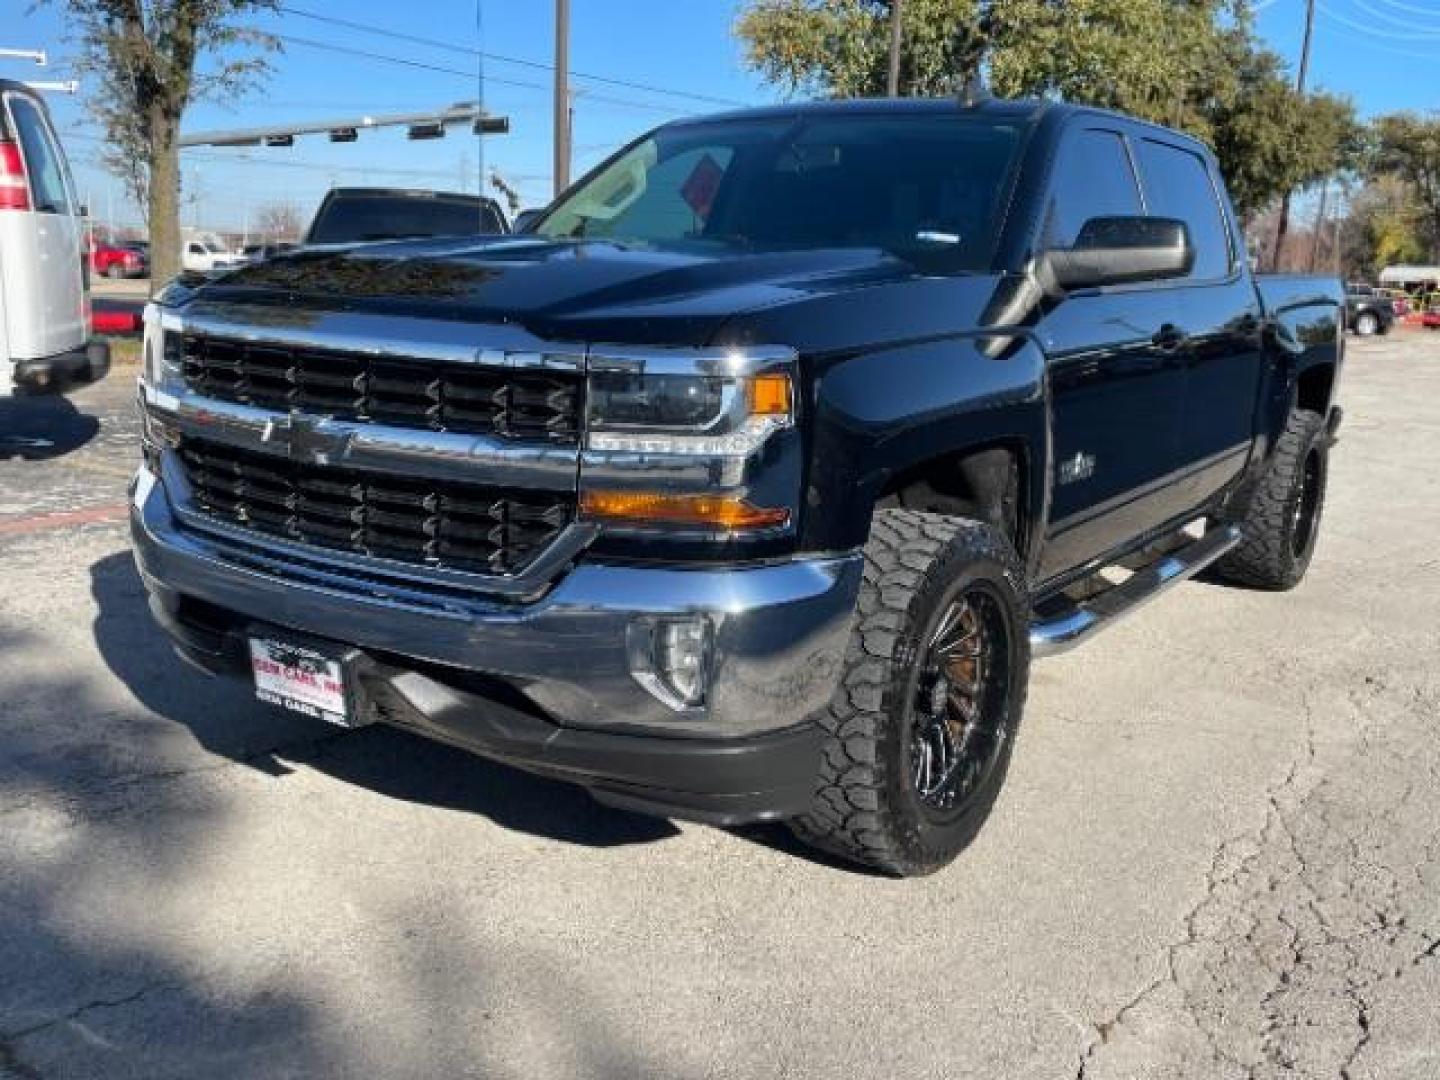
(922, 725)
(1282, 518)
(1366, 323)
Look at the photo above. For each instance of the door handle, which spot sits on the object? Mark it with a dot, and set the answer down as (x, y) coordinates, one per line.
(1170, 338)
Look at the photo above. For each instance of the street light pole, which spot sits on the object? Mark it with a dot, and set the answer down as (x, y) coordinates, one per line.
(1283, 225)
(562, 95)
(892, 83)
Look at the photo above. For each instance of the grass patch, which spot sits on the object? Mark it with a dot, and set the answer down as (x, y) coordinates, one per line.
(124, 351)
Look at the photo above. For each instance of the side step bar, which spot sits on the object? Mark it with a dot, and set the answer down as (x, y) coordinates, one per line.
(1060, 633)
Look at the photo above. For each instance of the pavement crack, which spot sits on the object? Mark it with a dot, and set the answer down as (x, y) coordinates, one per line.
(11, 1061)
(298, 750)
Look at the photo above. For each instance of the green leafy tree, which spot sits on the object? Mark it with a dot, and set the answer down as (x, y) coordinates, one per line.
(1193, 64)
(1407, 145)
(1381, 228)
(140, 58)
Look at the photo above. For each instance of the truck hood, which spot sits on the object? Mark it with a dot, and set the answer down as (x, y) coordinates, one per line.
(588, 290)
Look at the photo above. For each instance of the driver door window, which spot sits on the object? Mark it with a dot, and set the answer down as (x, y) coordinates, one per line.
(1093, 178)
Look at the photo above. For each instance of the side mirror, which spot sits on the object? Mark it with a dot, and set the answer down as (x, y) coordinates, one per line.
(524, 219)
(1120, 251)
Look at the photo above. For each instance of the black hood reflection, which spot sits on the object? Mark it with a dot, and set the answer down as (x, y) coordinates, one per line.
(602, 291)
(340, 274)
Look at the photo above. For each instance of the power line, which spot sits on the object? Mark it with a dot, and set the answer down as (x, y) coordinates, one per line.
(539, 65)
(468, 76)
(1375, 31)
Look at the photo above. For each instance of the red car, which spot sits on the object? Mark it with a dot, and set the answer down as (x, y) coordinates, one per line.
(1431, 319)
(117, 262)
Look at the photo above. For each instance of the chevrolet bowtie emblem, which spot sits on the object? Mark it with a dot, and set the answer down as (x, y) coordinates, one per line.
(309, 440)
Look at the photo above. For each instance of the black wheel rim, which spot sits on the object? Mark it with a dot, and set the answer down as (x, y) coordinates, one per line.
(1307, 504)
(960, 717)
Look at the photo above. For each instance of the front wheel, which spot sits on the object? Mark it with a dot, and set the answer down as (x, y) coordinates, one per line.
(1366, 324)
(923, 722)
(114, 271)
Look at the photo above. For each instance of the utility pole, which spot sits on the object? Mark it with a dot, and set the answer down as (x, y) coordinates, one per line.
(1283, 226)
(562, 95)
(1341, 204)
(1319, 226)
(892, 83)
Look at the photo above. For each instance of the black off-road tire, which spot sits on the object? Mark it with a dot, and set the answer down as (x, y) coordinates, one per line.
(867, 808)
(1273, 553)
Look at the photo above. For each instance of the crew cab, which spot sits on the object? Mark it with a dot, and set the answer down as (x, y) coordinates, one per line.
(748, 481)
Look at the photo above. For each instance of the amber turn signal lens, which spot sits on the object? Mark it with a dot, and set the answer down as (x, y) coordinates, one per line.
(705, 511)
(769, 395)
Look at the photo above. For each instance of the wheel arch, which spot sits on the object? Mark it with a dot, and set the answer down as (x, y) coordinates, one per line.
(987, 482)
(1314, 387)
(971, 412)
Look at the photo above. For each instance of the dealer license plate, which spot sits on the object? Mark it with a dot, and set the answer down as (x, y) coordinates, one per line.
(300, 679)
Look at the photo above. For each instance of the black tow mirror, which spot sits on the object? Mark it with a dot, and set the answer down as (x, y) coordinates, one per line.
(1120, 251)
(524, 220)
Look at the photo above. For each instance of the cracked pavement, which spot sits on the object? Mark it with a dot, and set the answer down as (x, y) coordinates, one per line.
(1218, 854)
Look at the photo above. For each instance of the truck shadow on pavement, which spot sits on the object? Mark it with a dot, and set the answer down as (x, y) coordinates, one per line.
(42, 427)
(226, 720)
(115, 961)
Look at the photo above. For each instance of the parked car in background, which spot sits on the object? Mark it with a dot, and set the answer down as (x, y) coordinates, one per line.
(1367, 312)
(44, 279)
(1398, 301)
(204, 255)
(1430, 318)
(118, 261)
(257, 252)
(363, 215)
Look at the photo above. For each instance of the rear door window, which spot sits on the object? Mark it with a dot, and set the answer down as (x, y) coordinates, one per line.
(43, 162)
(350, 219)
(1178, 185)
(1093, 178)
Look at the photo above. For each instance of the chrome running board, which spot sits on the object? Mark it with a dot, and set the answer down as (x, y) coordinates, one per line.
(1061, 632)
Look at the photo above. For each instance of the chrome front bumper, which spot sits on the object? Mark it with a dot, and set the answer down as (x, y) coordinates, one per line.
(780, 630)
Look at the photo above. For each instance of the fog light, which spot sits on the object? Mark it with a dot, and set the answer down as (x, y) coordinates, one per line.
(671, 659)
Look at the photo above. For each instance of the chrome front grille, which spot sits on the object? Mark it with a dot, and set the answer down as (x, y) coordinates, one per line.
(542, 405)
(447, 524)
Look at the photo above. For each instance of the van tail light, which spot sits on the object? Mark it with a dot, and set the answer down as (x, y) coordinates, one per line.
(14, 188)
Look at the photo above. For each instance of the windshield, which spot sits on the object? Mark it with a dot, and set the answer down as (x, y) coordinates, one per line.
(915, 186)
(348, 219)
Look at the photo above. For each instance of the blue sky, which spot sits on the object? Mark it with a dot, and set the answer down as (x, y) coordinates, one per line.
(1382, 53)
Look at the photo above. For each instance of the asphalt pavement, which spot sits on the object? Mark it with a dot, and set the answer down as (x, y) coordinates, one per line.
(1218, 854)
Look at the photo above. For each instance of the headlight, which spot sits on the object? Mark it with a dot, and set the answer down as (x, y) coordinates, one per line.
(164, 363)
(672, 439)
(710, 404)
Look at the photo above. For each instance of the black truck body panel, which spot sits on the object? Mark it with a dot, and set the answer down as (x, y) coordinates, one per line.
(1125, 411)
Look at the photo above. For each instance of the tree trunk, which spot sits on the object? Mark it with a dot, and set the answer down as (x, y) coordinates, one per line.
(164, 198)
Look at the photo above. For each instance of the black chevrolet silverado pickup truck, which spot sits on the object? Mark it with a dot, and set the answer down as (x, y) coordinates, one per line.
(747, 483)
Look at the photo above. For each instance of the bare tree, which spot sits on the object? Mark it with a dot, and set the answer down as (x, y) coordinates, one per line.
(280, 221)
(512, 197)
(140, 59)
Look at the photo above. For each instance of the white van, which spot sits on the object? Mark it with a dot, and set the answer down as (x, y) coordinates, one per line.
(44, 281)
